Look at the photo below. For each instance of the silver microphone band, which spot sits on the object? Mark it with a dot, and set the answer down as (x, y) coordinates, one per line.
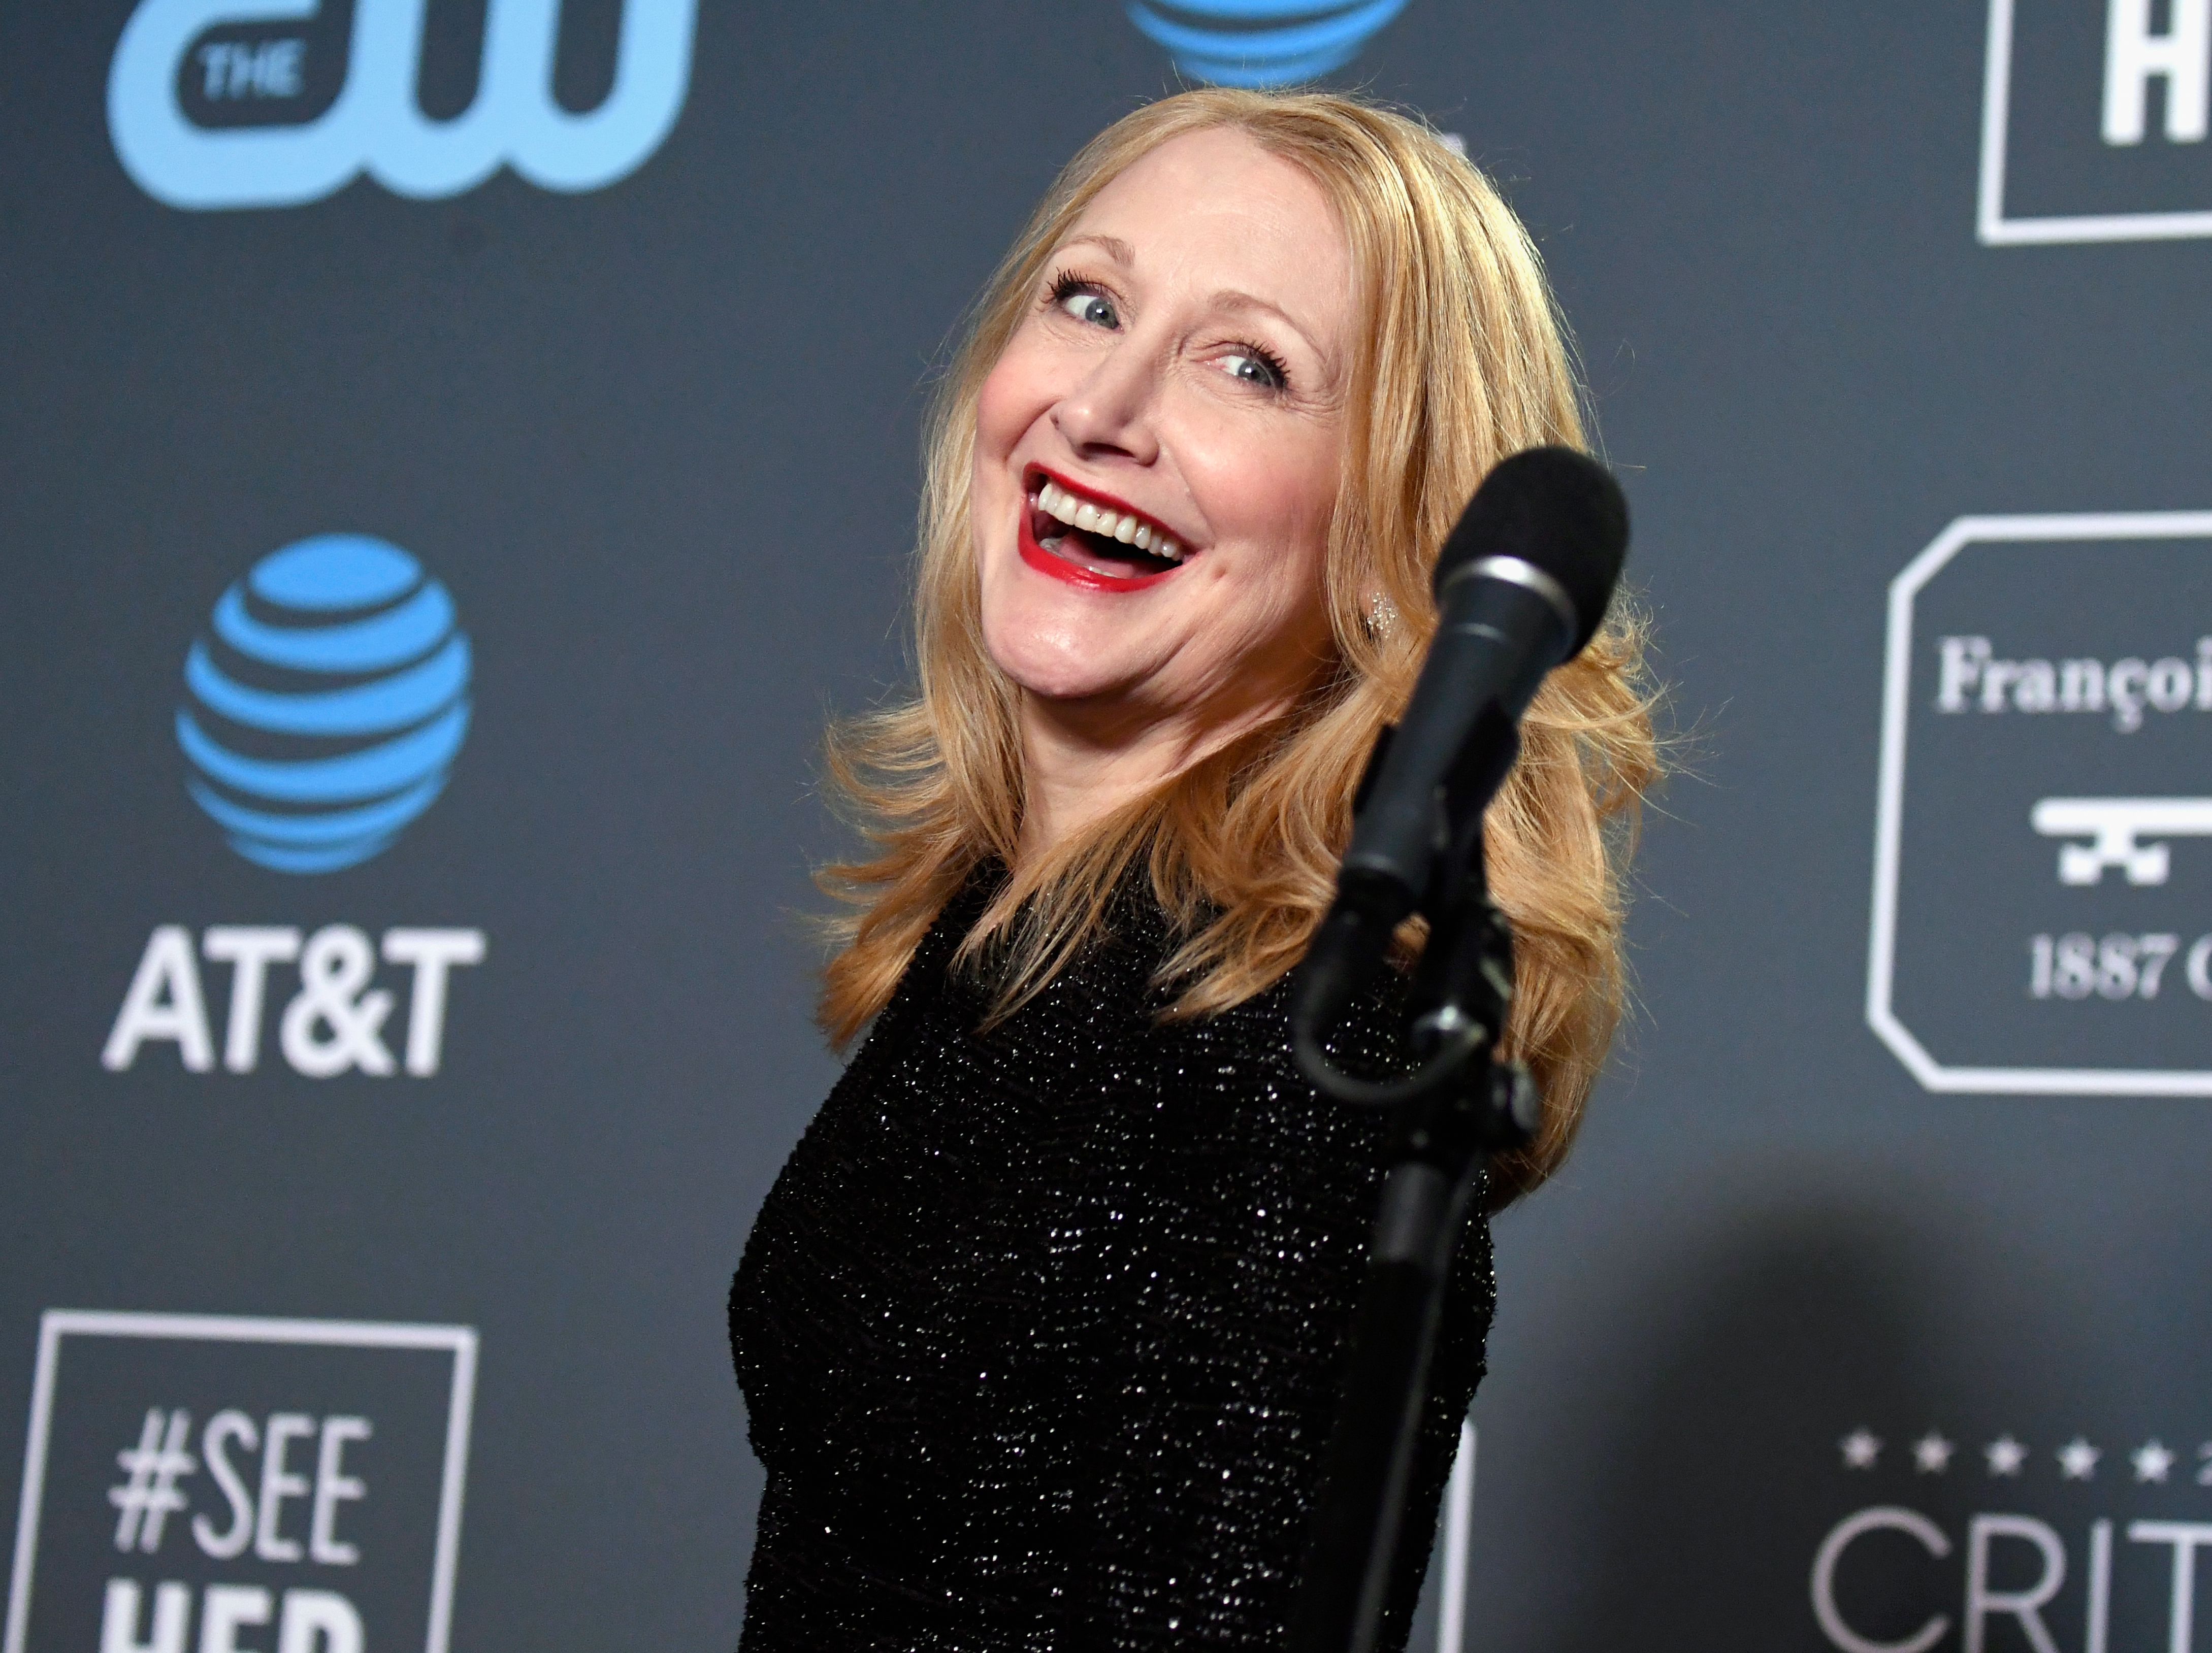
(1518, 571)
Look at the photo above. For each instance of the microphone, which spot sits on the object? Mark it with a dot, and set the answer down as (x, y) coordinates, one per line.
(1522, 584)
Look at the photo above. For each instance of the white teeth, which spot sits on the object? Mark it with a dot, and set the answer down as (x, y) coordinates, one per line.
(1126, 526)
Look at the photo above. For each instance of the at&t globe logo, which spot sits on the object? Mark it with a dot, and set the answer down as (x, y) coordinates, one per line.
(326, 704)
(1261, 42)
(323, 707)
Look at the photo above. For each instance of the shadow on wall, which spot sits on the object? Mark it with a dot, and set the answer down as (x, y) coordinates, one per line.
(1725, 1468)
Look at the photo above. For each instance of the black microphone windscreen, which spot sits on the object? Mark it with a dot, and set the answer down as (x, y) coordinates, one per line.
(1558, 509)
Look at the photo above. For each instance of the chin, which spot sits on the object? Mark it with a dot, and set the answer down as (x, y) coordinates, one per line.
(1051, 659)
(1051, 672)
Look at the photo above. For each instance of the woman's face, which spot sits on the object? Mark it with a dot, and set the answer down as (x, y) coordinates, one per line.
(1158, 450)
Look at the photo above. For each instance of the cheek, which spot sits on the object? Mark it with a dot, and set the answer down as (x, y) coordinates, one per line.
(1001, 420)
(1012, 400)
(1289, 608)
(1275, 485)
(1283, 525)
(1265, 612)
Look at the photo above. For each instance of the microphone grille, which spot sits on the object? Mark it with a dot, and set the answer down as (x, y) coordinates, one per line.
(1558, 509)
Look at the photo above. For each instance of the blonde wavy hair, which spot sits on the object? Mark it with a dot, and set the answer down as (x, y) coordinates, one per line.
(1460, 360)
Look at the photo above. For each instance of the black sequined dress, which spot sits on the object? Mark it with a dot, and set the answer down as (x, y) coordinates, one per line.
(1040, 1329)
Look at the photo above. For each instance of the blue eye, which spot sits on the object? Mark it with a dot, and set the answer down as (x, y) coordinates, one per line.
(1088, 306)
(1255, 369)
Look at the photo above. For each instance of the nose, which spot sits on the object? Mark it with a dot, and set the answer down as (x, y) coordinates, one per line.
(1109, 414)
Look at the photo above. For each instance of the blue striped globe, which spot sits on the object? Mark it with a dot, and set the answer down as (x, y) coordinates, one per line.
(326, 703)
(1261, 42)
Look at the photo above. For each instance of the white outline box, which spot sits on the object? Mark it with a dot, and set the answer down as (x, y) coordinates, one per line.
(1992, 227)
(1889, 810)
(56, 1323)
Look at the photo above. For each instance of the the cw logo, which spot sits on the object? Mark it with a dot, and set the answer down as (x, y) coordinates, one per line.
(376, 125)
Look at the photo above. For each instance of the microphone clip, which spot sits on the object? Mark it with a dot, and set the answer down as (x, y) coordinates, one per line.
(1462, 989)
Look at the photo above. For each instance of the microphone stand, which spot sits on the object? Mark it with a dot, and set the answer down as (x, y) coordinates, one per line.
(1446, 1118)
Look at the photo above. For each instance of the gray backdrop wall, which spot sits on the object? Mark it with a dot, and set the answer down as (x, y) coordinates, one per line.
(386, 1304)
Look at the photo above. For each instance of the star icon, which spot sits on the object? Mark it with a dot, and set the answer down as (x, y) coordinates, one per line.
(2005, 1456)
(1932, 1453)
(2151, 1461)
(2077, 1459)
(1860, 1448)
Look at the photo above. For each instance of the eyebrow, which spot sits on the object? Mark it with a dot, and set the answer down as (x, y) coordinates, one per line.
(1228, 299)
(1116, 248)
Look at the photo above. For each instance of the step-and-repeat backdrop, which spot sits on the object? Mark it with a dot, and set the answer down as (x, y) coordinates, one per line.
(455, 453)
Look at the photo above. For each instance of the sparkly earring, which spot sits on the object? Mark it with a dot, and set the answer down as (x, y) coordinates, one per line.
(1381, 616)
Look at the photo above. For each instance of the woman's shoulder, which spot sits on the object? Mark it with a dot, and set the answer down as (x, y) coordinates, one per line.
(930, 969)
(1106, 1016)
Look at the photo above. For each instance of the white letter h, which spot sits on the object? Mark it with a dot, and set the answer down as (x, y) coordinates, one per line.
(2133, 55)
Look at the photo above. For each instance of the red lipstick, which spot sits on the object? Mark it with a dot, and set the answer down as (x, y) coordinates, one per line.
(1061, 569)
(1089, 579)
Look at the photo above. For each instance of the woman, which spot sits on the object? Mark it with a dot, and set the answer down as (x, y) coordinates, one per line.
(1041, 1327)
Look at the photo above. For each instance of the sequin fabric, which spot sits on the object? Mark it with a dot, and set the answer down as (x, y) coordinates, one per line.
(1040, 1329)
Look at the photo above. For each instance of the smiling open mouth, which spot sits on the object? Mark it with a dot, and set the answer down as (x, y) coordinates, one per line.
(1111, 545)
